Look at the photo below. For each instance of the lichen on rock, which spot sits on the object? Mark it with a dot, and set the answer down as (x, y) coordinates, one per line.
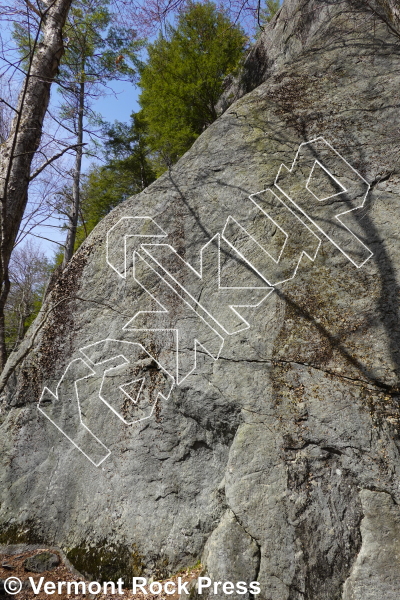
(276, 453)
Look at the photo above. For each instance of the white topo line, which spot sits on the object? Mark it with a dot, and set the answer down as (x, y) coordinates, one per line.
(116, 258)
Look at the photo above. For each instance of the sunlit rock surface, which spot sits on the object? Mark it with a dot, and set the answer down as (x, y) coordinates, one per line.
(272, 451)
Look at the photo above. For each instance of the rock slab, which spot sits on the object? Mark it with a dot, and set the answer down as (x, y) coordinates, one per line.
(187, 410)
(41, 562)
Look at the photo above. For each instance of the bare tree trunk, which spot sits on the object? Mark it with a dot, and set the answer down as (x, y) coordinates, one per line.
(17, 151)
(74, 212)
(3, 297)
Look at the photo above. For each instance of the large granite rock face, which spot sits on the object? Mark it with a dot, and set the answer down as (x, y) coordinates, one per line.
(272, 451)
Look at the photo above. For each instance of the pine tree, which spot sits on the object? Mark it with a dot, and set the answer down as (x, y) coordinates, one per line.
(96, 53)
(127, 171)
(184, 77)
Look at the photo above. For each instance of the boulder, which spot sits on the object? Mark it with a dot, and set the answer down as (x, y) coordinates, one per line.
(216, 373)
(41, 562)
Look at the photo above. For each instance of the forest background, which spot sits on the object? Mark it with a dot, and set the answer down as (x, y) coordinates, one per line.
(175, 58)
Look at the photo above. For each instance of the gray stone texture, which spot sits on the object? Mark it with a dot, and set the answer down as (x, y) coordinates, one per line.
(280, 460)
(43, 561)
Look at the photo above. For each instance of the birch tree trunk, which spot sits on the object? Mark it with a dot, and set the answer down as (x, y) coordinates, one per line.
(17, 151)
(74, 211)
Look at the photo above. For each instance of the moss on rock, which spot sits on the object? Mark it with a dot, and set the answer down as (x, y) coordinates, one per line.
(105, 562)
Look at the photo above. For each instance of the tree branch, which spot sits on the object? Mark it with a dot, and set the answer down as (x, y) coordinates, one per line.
(52, 159)
(33, 8)
(382, 17)
(9, 105)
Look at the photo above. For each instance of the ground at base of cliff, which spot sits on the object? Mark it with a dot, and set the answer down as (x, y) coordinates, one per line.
(14, 566)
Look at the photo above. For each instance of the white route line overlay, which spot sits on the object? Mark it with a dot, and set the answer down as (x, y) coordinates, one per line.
(155, 231)
(132, 221)
(303, 253)
(317, 162)
(147, 249)
(176, 331)
(283, 166)
(127, 361)
(55, 395)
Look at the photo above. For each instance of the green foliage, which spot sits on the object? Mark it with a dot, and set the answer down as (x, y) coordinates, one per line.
(102, 190)
(127, 172)
(23, 36)
(29, 272)
(91, 39)
(96, 52)
(184, 76)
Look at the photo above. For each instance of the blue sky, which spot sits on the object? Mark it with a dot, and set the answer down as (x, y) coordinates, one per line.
(116, 106)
